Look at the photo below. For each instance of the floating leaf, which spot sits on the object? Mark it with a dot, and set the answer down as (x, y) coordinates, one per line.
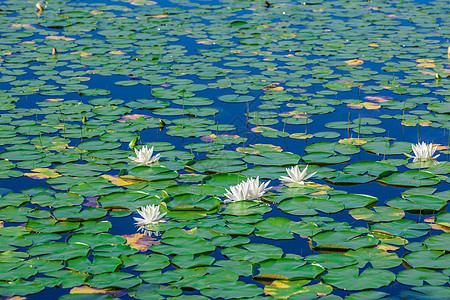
(19, 287)
(342, 240)
(117, 280)
(309, 206)
(354, 200)
(274, 228)
(287, 269)
(98, 266)
(253, 252)
(331, 260)
(402, 228)
(349, 278)
(411, 179)
(378, 258)
(428, 259)
(378, 214)
(283, 289)
(386, 148)
(438, 242)
(188, 261)
(273, 159)
(59, 251)
(183, 245)
(424, 203)
(417, 277)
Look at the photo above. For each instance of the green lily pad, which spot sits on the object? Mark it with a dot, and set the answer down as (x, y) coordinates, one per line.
(411, 179)
(242, 268)
(218, 166)
(73, 213)
(331, 260)
(297, 289)
(156, 277)
(430, 259)
(418, 276)
(253, 253)
(183, 246)
(309, 206)
(22, 155)
(351, 201)
(273, 159)
(287, 269)
(377, 214)
(233, 98)
(349, 179)
(349, 278)
(145, 262)
(277, 228)
(188, 261)
(154, 291)
(372, 168)
(233, 229)
(418, 203)
(402, 228)
(432, 291)
(97, 145)
(443, 219)
(342, 240)
(94, 240)
(154, 173)
(127, 199)
(245, 208)
(59, 251)
(378, 258)
(438, 242)
(98, 266)
(51, 226)
(234, 290)
(324, 158)
(117, 280)
(386, 148)
(19, 287)
(17, 271)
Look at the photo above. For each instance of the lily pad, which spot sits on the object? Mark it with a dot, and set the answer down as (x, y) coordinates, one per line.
(418, 276)
(411, 179)
(309, 206)
(349, 278)
(288, 269)
(342, 240)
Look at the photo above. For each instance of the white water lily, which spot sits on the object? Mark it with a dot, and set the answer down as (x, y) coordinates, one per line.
(40, 6)
(150, 215)
(295, 176)
(423, 152)
(247, 190)
(145, 156)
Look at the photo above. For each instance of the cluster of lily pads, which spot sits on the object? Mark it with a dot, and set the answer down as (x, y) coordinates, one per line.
(251, 189)
(327, 101)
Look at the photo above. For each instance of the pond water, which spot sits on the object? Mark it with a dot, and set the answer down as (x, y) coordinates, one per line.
(230, 95)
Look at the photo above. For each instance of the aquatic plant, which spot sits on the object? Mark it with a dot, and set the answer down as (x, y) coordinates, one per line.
(144, 156)
(295, 176)
(247, 190)
(423, 152)
(236, 96)
(150, 215)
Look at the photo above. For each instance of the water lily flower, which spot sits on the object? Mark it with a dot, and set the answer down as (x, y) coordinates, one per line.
(144, 156)
(295, 176)
(423, 152)
(150, 215)
(39, 7)
(247, 190)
